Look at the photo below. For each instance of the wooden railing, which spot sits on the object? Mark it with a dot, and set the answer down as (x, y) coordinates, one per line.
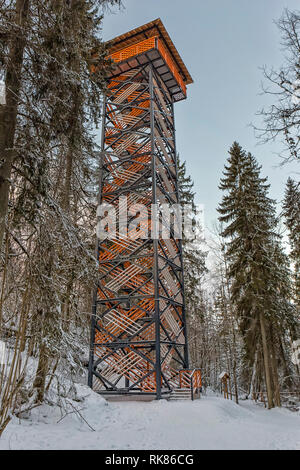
(136, 49)
(146, 45)
(171, 64)
(190, 378)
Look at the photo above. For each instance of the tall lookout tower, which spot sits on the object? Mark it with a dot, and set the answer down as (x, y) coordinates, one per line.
(138, 336)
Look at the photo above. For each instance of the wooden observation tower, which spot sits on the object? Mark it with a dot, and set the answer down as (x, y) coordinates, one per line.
(138, 334)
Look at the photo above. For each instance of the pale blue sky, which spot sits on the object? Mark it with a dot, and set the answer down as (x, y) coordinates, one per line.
(223, 43)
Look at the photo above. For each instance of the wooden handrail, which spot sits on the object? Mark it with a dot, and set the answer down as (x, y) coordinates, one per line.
(147, 45)
(191, 374)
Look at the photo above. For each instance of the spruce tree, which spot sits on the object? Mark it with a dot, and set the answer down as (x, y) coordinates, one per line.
(258, 275)
(48, 183)
(186, 186)
(193, 255)
(47, 51)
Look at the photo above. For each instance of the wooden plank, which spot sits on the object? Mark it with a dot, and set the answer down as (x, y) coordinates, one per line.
(164, 151)
(162, 101)
(127, 92)
(164, 175)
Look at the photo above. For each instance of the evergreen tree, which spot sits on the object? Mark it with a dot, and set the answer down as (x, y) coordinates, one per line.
(256, 265)
(47, 51)
(186, 186)
(193, 255)
(48, 184)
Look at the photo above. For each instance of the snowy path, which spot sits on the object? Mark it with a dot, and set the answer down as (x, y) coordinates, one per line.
(209, 423)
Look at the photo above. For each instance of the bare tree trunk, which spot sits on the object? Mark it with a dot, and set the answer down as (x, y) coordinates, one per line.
(41, 374)
(8, 111)
(13, 372)
(290, 380)
(253, 377)
(4, 278)
(235, 384)
(267, 362)
(277, 400)
(67, 182)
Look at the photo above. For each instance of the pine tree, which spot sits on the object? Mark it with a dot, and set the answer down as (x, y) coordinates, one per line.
(258, 275)
(47, 51)
(193, 255)
(186, 186)
(194, 269)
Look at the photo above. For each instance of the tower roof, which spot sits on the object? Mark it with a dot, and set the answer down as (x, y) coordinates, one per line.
(148, 30)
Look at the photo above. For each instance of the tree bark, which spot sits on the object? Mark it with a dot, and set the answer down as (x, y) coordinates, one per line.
(234, 366)
(267, 362)
(274, 366)
(8, 111)
(41, 374)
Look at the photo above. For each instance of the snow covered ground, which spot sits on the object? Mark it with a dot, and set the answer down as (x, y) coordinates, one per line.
(209, 423)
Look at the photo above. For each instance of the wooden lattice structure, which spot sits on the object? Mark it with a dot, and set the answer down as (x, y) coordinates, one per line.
(138, 336)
